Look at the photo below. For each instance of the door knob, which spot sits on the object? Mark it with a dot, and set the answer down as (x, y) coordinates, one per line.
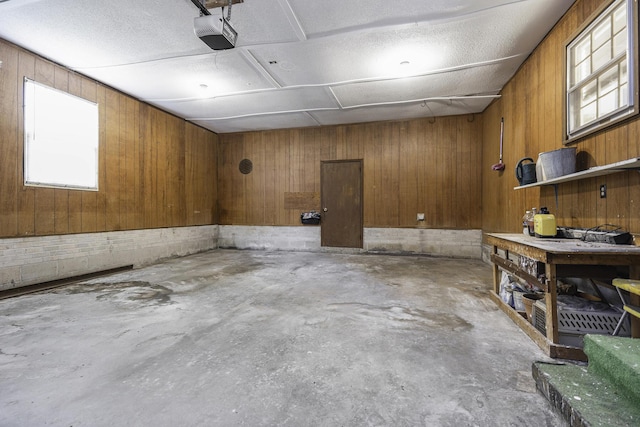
(324, 209)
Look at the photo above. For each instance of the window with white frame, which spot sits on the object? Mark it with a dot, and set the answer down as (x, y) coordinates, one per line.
(60, 139)
(601, 71)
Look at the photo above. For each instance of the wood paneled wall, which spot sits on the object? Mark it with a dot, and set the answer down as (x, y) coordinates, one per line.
(428, 165)
(155, 170)
(532, 107)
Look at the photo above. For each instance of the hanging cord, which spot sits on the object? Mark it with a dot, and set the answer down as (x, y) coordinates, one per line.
(229, 11)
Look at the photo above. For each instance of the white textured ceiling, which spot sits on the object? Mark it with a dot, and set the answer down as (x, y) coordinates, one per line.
(297, 63)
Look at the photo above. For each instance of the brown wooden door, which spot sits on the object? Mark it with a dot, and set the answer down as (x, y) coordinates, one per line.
(341, 195)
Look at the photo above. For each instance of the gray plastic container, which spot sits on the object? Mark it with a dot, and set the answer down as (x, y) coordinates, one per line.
(556, 163)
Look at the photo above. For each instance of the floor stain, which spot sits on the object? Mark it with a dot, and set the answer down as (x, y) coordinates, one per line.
(136, 290)
(404, 316)
(233, 270)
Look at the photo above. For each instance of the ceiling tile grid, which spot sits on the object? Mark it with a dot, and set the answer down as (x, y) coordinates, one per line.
(297, 63)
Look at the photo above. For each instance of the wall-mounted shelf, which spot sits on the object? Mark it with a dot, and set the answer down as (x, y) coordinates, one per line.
(589, 173)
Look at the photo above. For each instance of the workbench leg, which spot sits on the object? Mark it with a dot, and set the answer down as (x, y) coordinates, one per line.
(496, 273)
(551, 302)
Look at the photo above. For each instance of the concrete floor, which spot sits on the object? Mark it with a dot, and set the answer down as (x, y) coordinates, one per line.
(228, 338)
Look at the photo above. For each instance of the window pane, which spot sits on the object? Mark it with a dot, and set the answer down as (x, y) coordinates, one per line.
(602, 55)
(588, 93)
(620, 18)
(602, 33)
(61, 138)
(582, 50)
(620, 43)
(624, 86)
(608, 103)
(587, 114)
(624, 95)
(582, 71)
(608, 81)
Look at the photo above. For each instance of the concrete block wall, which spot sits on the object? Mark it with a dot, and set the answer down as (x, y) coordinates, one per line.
(437, 242)
(30, 260)
(303, 238)
(453, 243)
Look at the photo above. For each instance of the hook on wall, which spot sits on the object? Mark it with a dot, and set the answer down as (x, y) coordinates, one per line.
(432, 118)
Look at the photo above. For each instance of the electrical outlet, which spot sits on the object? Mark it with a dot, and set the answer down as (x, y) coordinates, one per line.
(420, 217)
(603, 191)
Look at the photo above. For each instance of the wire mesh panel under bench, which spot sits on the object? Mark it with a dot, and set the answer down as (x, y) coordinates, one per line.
(557, 258)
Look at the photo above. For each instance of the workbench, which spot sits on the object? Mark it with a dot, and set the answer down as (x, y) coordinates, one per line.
(557, 258)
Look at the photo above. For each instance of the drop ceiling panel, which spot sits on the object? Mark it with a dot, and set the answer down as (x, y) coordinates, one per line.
(102, 33)
(262, 22)
(471, 81)
(181, 78)
(405, 111)
(427, 46)
(341, 16)
(267, 122)
(255, 104)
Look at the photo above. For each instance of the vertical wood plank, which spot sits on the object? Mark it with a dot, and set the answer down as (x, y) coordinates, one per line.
(231, 188)
(146, 190)
(44, 197)
(190, 183)
(271, 155)
(112, 153)
(256, 180)
(462, 212)
(450, 170)
(160, 127)
(408, 173)
(101, 197)
(634, 179)
(179, 202)
(282, 178)
(133, 206)
(370, 175)
(10, 87)
(617, 207)
(392, 168)
(212, 146)
(422, 177)
(124, 146)
(26, 196)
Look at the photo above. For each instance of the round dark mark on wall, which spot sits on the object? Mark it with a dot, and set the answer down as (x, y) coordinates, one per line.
(246, 166)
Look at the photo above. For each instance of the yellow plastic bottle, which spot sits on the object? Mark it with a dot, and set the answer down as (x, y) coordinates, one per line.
(544, 224)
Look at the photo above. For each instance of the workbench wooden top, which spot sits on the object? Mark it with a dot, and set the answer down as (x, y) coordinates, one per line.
(561, 246)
